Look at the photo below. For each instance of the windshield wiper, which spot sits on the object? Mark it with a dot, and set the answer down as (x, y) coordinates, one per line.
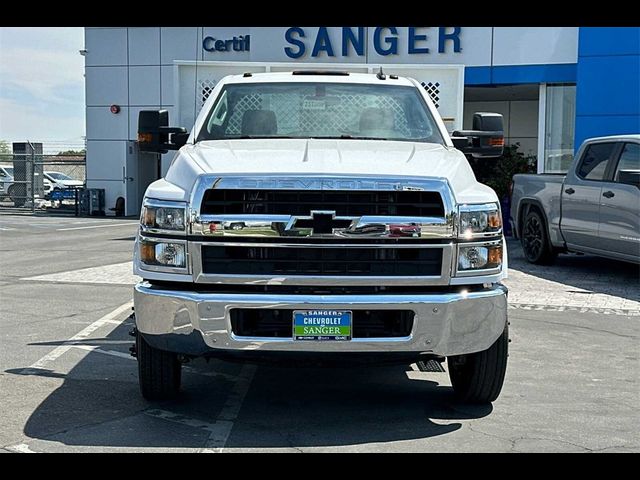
(242, 137)
(346, 136)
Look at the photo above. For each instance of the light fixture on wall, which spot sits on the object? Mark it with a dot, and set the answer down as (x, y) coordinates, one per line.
(114, 109)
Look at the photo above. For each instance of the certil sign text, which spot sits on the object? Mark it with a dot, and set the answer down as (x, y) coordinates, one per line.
(352, 41)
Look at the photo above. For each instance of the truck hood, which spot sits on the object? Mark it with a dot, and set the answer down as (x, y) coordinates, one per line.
(328, 157)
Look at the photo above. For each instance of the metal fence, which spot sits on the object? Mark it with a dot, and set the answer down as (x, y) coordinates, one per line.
(31, 181)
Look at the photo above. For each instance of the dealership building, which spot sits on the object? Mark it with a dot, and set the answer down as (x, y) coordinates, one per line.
(555, 86)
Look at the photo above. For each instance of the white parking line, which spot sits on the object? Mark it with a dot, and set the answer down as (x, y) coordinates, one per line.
(97, 349)
(119, 273)
(229, 413)
(82, 335)
(181, 419)
(219, 430)
(127, 356)
(21, 448)
(629, 312)
(214, 374)
(95, 226)
(115, 322)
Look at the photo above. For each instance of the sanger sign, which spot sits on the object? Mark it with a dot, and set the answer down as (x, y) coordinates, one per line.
(352, 41)
(385, 41)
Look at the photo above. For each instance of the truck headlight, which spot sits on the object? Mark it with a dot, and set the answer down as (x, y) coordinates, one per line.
(162, 254)
(158, 216)
(479, 257)
(479, 220)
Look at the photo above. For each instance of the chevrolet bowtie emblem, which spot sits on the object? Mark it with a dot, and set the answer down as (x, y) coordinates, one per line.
(320, 221)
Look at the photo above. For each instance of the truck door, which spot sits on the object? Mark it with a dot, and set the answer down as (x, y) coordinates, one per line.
(619, 228)
(581, 194)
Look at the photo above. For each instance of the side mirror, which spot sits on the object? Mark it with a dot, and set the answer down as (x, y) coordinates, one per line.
(629, 177)
(486, 140)
(155, 134)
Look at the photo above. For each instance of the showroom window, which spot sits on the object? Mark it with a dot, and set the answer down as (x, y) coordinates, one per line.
(560, 120)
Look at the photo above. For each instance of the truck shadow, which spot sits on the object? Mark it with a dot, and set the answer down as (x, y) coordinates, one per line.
(98, 405)
(339, 407)
(585, 273)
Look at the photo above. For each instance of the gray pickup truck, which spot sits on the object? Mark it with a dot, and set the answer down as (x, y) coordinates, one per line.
(594, 209)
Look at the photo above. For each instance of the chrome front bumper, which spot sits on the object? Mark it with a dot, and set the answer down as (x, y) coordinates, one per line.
(448, 323)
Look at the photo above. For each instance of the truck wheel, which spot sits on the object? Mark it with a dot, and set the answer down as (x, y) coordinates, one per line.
(478, 377)
(237, 226)
(159, 372)
(535, 241)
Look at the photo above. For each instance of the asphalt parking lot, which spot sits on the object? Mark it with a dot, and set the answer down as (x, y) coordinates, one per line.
(67, 382)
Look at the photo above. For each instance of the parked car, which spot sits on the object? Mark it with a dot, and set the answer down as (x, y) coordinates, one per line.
(233, 225)
(594, 209)
(61, 181)
(382, 246)
(48, 187)
(403, 230)
(59, 186)
(8, 187)
(6, 181)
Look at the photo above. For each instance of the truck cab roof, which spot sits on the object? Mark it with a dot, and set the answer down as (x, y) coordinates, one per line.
(314, 76)
(630, 136)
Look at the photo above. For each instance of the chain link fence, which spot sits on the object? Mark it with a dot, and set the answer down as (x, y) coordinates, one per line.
(33, 181)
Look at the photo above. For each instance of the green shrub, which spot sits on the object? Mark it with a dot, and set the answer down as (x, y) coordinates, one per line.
(498, 173)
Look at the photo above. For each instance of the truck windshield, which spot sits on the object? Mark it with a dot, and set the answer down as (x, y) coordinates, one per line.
(320, 110)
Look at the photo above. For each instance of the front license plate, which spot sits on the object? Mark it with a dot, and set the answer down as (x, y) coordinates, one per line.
(322, 325)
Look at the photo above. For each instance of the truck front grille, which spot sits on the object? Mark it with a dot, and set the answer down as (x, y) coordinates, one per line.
(321, 261)
(278, 323)
(344, 203)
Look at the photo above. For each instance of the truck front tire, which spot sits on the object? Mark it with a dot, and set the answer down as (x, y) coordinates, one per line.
(159, 372)
(536, 246)
(478, 377)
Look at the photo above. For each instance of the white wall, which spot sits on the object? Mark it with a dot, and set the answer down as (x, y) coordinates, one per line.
(534, 45)
(132, 68)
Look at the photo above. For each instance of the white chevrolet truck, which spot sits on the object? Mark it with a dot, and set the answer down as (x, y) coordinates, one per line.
(325, 216)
